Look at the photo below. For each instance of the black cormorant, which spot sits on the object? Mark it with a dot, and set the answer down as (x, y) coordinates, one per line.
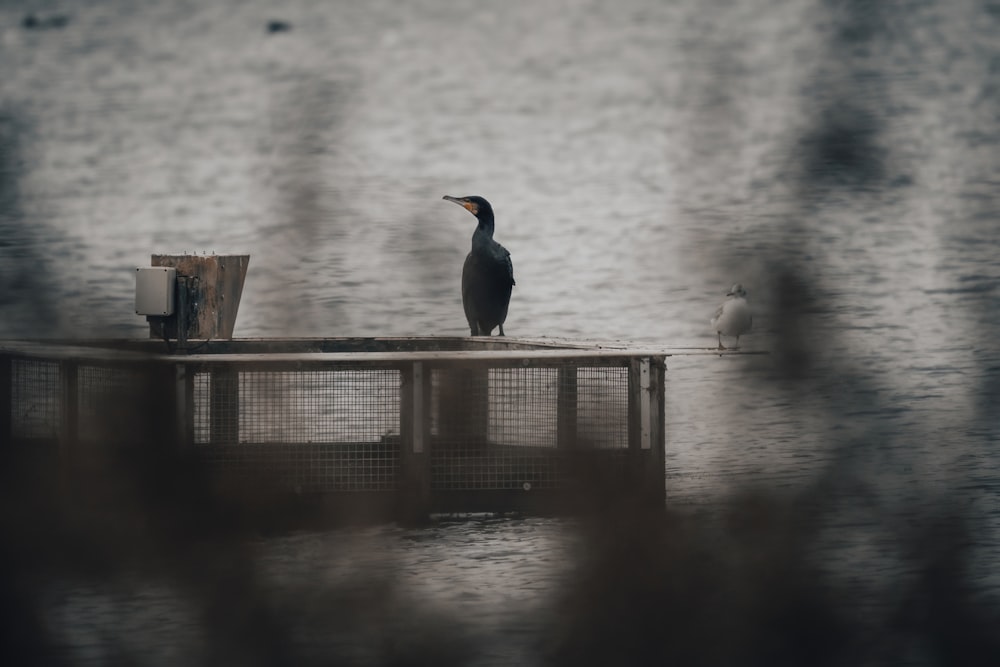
(488, 274)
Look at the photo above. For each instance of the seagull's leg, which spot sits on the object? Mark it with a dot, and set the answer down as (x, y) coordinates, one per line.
(737, 346)
(721, 346)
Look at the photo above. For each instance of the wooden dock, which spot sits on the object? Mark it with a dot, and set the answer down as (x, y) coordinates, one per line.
(410, 425)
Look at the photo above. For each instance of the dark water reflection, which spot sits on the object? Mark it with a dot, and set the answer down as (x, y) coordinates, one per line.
(840, 159)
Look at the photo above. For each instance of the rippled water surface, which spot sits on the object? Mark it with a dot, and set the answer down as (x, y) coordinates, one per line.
(838, 159)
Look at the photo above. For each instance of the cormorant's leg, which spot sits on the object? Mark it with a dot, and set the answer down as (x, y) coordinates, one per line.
(501, 329)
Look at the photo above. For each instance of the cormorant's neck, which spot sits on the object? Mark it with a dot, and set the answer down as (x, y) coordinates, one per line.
(485, 227)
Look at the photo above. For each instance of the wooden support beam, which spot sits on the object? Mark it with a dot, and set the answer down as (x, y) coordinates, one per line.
(414, 492)
(183, 315)
(634, 403)
(645, 435)
(6, 399)
(566, 408)
(183, 381)
(69, 403)
(646, 439)
(464, 405)
(656, 472)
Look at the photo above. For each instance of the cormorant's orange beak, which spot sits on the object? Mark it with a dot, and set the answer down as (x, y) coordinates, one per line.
(464, 203)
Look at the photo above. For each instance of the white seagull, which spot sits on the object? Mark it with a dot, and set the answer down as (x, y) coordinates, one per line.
(733, 317)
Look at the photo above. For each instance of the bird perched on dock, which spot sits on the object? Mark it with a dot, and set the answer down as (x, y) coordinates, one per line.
(733, 317)
(488, 274)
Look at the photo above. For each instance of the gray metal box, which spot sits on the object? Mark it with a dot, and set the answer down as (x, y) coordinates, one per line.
(154, 290)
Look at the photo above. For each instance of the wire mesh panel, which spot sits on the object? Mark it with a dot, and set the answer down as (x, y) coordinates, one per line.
(201, 385)
(35, 399)
(602, 407)
(346, 406)
(495, 428)
(522, 406)
(517, 427)
(436, 421)
(319, 430)
(108, 403)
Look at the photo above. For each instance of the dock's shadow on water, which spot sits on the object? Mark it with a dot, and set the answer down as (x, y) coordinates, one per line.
(140, 512)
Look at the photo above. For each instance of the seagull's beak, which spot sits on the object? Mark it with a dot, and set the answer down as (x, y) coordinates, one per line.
(464, 203)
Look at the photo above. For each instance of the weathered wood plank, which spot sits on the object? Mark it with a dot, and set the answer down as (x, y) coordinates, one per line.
(566, 408)
(6, 399)
(414, 459)
(214, 287)
(353, 346)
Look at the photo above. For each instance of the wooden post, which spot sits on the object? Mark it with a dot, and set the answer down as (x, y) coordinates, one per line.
(645, 407)
(646, 428)
(6, 400)
(69, 427)
(634, 407)
(656, 471)
(645, 419)
(181, 314)
(414, 497)
(464, 406)
(566, 408)
(184, 405)
(224, 407)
